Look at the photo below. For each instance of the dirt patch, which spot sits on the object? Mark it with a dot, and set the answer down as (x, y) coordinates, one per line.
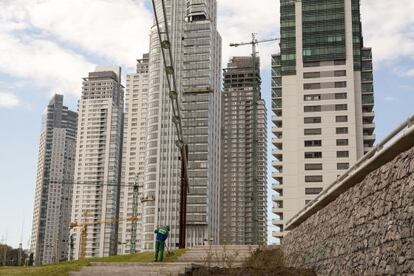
(266, 262)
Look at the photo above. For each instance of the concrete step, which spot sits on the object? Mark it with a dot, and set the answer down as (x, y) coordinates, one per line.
(133, 269)
(218, 255)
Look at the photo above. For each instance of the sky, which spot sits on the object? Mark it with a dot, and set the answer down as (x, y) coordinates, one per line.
(47, 46)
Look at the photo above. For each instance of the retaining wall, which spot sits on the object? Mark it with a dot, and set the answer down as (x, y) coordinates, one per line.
(366, 230)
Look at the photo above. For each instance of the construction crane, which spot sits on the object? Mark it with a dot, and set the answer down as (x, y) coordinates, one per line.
(256, 87)
(84, 225)
(134, 223)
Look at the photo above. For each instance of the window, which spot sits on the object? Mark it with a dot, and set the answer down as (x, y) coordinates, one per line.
(310, 86)
(313, 155)
(312, 64)
(340, 73)
(312, 191)
(340, 84)
(341, 107)
(342, 166)
(342, 154)
(342, 119)
(311, 75)
(312, 108)
(313, 143)
(342, 142)
(312, 120)
(341, 130)
(314, 97)
(340, 96)
(339, 62)
(313, 167)
(313, 178)
(313, 131)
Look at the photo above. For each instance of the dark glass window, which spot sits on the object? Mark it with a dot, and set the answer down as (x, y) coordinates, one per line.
(313, 97)
(313, 191)
(313, 143)
(312, 120)
(342, 166)
(312, 108)
(340, 73)
(341, 130)
(313, 131)
(342, 142)
(341, 107)
(342, 119)
(313, 155)
(340, 84)
(311, 75)
(340, 96)
(342, 154)
(313, 178)
(313, 167)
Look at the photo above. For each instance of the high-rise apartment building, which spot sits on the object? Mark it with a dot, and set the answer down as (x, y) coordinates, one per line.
(322, 98)
(133, 157)
(55, 169)
(244, 185)
(97, 167)
(196, 49)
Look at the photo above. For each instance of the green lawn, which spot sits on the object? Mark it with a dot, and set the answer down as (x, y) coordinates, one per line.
(62, 269)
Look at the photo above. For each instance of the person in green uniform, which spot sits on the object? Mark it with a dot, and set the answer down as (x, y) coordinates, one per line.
(162, 234)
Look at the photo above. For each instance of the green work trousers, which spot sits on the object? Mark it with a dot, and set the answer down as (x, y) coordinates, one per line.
(159, 250)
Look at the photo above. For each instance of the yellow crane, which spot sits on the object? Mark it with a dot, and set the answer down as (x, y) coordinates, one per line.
(84, 225)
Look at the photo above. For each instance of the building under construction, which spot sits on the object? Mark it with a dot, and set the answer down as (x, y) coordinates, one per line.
(244, 196)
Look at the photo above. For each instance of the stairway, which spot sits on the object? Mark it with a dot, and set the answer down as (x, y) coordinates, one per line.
(210, 256)
(218, 255)
(134, 269)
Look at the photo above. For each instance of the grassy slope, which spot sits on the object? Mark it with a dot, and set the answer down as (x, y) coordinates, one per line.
(62, 269)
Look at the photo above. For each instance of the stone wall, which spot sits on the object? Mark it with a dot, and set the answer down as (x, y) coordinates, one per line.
(367, 230)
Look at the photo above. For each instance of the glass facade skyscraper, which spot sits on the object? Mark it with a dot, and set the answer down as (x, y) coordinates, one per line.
(55, 172)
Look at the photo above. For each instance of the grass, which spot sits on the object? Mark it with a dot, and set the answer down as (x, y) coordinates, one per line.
(63, 268)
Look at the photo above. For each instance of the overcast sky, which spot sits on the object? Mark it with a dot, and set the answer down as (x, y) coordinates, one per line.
(47, 46)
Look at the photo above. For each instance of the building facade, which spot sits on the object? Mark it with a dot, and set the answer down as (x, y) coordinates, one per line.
(97, 168)
(55, 172)
(133, 158)
(244, 166)
(196, 49)
(322, 100)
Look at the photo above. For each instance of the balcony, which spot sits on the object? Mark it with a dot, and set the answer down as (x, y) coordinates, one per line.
(368, 149)
(277, 198)
(276, 129)
(277, 143)
(277, 165)
(370, 114)
(277, 187)
(278, 234)
(277, 154)
(369, 137)
(278, 222)
(276, 210)
(369, 127)
(277, 175)
(277, 120)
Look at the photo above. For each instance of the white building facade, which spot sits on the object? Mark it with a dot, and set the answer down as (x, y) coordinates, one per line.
(133, 158)
(196, 47)
(97, 169)
(322, 99)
